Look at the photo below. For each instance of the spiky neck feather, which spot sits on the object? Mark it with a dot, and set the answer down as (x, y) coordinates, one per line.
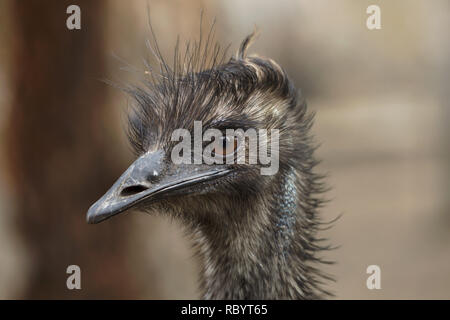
(269, 253)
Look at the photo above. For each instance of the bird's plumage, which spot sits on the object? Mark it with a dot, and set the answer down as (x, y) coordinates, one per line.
(256, 234)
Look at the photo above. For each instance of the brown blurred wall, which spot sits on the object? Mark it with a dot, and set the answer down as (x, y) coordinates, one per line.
(59, 152)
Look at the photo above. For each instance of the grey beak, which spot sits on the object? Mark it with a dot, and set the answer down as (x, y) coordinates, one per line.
(148, 178)
(129, 189)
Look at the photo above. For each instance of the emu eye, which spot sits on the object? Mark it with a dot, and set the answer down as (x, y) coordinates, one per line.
(226, 146)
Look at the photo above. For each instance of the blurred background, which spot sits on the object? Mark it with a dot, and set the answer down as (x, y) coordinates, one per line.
(381, 99)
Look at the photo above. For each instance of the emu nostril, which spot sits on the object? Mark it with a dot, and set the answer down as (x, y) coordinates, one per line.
(132, 190)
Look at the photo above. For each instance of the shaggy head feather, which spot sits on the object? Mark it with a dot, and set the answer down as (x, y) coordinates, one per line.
(256, 234)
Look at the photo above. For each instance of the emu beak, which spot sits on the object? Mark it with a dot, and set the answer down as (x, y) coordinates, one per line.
(149, 179)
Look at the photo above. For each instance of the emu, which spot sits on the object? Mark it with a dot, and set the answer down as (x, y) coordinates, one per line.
(256, 234)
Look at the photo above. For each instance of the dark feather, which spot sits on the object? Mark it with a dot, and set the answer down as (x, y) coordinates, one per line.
(257, 235)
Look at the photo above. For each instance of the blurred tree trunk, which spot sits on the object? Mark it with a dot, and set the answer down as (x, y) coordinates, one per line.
(60, 152)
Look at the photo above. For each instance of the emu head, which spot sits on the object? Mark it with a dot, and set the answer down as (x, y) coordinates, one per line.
(246, 92)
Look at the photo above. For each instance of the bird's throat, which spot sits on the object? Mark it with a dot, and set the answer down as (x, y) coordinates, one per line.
(259, 258)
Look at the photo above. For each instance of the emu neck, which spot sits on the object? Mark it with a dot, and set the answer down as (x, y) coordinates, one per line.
(260, 257)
